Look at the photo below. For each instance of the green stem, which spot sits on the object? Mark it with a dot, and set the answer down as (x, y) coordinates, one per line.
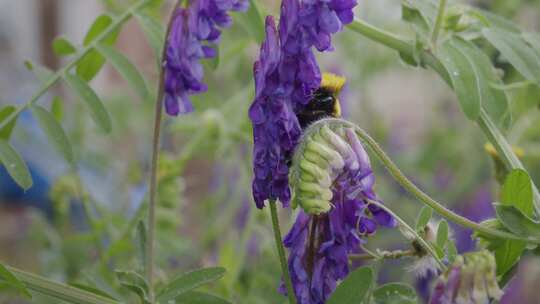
(80, 55)
(158, 115)
(405, 47)
(281, 253)
(411, 230)
(426, 199)
(383, 37)
(58, 290)
(438, 22)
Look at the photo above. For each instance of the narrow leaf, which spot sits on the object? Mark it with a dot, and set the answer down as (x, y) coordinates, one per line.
(134, 282)
(452, 252)
(465, 79)
(62, 47)
(54, 132)
(395, 293)
(492, 100)
(86, 93)
(5, 112)
(91, 63)
(516, 51)
(188, 282)
(141, 243)
(93, 290)
(442, 234)
(423, 218)
(11, 280)
(126, 69)
(15, 165)
(197, 297)
(153, 30)
(57, 108)
(354, 288)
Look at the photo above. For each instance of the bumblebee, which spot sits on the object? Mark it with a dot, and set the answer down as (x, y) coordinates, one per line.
(325, 101)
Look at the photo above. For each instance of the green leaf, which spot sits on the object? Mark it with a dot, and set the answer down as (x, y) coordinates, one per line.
(54, 132)
(493, 101)
(5, 112)
(134, 282)
(153, 30)
(15, 165)
(189, 281)
(465, 78)
(62, 47)
(140, 237)
(126, 69)
(516, 51)
(517, 191)
(57, 108)
(354, 288)
(442, 234)
(423, 218)
(197, 297)
(253, 22)
(12, 281)
(508, 254)
(86, 93)
(93, 290)
(412, 15)
(91, 63)
(452, 251)
(517, 222)
(395, 293)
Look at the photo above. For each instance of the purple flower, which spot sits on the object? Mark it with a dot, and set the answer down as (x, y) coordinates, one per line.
(192, 32)
(319, 244)
(471, 279)
(286, 75)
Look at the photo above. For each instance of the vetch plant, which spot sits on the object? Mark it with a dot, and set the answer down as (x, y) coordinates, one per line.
(304, 155)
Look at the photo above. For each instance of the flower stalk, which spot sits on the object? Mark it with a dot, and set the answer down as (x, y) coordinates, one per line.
(281, 252)
(158, 115)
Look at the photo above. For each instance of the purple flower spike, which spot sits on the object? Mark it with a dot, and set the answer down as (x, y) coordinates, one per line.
(192, 31)
(286, 75)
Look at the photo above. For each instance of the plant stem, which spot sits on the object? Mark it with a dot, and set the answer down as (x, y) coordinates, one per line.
(58, 290)
(158, 115)
(411, 230)
(54, 78)
(388, 39)
(438, 23)
(281, 252)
